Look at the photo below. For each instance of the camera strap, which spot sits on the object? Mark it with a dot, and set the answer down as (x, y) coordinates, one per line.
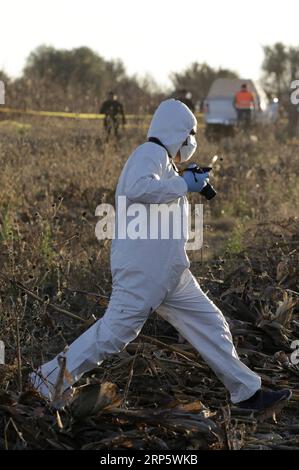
(154, 140)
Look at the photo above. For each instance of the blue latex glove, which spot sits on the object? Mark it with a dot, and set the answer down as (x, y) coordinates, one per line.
(195, 181)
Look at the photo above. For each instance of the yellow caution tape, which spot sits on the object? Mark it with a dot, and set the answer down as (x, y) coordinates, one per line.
(67, 115)
(71, 115)
(51, 113)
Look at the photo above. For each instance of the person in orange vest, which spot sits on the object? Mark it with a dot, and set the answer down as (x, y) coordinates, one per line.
(244, 103)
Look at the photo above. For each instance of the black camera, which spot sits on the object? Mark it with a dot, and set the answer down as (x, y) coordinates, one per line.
(208, 191)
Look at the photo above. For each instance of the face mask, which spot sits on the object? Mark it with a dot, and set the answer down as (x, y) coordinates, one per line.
(188, 148)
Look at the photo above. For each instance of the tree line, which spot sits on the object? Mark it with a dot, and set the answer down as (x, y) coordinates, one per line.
(79, 79)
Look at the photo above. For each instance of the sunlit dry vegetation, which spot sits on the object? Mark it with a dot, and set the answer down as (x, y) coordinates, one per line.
(55, 280)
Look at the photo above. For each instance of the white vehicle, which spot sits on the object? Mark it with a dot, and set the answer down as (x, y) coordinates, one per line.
(220, 115)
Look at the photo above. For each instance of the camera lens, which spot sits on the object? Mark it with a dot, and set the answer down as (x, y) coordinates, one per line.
(208, 192)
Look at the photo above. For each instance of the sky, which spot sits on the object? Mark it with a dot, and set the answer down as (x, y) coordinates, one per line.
(153, 37)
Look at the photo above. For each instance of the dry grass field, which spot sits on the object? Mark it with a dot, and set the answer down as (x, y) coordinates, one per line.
(55, 280)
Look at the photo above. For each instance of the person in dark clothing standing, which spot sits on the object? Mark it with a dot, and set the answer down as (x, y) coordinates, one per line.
(114, 115)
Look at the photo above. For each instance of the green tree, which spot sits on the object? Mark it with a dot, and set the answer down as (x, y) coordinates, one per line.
(76, 79)
(4, 77)
(280, 67)
(275, 67)
(197, 79)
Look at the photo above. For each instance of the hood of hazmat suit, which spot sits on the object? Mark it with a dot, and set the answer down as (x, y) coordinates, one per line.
(151, 262)
(171, 124)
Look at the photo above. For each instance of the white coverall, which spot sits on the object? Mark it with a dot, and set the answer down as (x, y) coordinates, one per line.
(153, 274)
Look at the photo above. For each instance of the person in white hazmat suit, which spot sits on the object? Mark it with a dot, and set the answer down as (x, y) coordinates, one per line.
(153, 274)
